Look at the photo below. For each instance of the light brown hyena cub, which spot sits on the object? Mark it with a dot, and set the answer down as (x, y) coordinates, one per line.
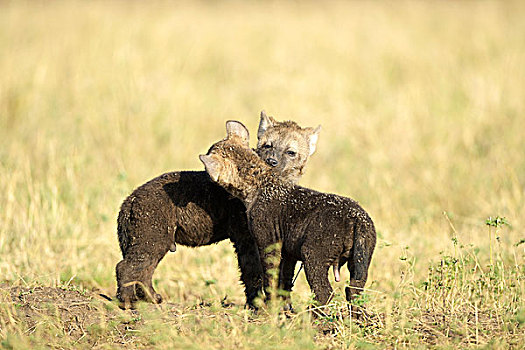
(322, 230)
(188, 208)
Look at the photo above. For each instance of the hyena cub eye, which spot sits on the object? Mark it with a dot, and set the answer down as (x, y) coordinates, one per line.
(291, 153)
(267, 146)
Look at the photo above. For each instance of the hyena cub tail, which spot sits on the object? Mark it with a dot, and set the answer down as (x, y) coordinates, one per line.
(124, 226)
(360, 256)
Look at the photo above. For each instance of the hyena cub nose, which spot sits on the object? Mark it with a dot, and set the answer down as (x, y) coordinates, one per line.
(272, 162)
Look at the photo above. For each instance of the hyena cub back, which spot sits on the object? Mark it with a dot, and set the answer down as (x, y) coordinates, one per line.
(322, 230)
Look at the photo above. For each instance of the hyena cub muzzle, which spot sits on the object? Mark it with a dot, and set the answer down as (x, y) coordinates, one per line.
(322, 230)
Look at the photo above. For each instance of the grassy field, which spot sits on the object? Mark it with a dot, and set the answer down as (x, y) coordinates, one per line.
(422, 106)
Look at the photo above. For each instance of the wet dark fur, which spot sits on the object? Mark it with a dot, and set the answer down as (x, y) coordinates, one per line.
(320, 229)
(188, 208)
(184, 208)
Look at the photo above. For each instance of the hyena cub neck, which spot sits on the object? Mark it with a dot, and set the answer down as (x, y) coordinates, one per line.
(285, 146)
(234, 166)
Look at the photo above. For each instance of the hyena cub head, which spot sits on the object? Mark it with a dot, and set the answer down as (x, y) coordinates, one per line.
(233, 164)
(285, 146)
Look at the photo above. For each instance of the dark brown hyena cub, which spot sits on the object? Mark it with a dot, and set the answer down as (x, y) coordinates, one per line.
(188, 208)
(320, 229)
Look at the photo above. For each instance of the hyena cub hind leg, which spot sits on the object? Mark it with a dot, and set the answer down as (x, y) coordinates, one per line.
(359, 261)
(317, 276)
(134, 278)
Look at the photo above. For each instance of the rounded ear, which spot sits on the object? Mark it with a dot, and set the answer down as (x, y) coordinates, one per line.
(264, 124)
(211, 165)
(312, 139)
(235, 128)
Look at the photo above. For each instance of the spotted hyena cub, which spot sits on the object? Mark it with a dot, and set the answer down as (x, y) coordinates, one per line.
(322, 230)
(188, 208)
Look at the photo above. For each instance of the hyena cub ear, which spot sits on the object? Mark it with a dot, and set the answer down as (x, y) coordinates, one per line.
(235, 129)
(212, 165)
(264, 124)
(313, 136)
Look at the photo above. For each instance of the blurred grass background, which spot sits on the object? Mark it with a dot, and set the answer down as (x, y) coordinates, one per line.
(422, 106)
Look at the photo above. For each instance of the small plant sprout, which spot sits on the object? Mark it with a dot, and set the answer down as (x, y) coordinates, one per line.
(496, 222)
(455, 232)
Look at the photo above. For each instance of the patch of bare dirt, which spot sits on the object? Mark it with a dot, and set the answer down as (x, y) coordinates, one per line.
(85, 316)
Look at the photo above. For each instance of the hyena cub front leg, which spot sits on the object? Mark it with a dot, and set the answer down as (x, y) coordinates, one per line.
(251, 273)
(286, 275)
(249, 264)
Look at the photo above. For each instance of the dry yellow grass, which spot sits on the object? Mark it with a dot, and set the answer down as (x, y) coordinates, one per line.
(423, 110)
